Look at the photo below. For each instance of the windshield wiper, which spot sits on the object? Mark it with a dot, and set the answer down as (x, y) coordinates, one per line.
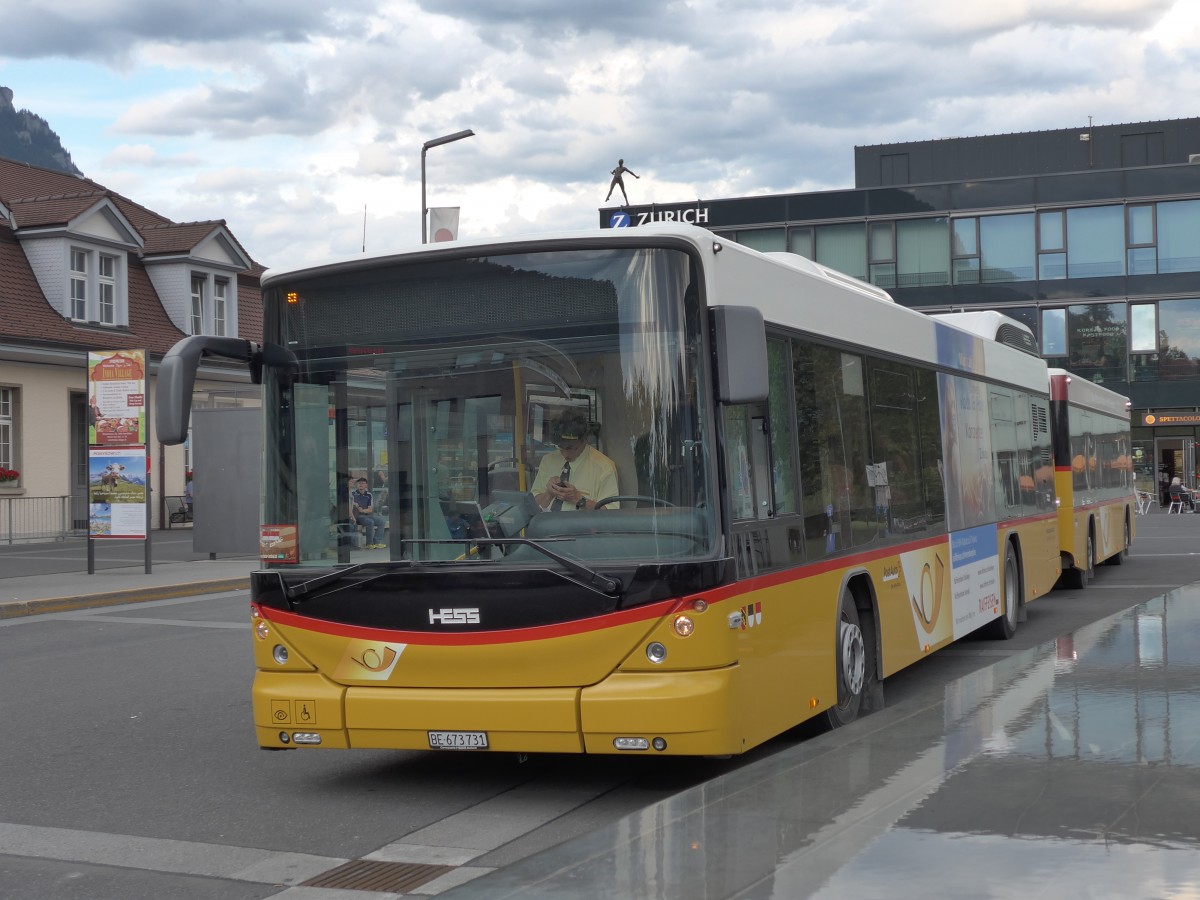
(586, 576)
(297, 591)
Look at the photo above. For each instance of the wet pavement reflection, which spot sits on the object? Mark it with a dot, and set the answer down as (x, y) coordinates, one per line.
(1070, 770)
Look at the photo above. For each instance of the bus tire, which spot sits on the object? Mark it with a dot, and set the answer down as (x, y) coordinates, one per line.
(852, 664)
(1081, 574)
(1003, 628)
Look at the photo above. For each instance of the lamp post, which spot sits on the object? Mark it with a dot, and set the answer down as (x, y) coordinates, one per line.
(436, 142)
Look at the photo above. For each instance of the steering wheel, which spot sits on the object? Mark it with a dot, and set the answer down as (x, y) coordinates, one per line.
(617, 498)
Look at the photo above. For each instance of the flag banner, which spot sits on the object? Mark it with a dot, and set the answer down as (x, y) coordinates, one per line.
(443, 223)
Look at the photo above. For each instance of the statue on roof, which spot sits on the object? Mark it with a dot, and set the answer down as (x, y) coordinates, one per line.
(618, 181)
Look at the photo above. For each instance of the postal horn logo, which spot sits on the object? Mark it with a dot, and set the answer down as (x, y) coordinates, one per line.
(375, 659)
(927, 602)
(369, 660)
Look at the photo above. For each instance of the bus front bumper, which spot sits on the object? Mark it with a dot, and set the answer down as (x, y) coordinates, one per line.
(692, 713)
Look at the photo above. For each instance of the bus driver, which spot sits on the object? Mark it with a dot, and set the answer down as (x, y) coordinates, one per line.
(575, 475)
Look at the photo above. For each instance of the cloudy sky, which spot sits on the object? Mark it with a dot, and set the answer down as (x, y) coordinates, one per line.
(287, 117)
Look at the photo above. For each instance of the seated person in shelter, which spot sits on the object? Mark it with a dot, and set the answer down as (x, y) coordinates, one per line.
(575, 475)
(362, 512)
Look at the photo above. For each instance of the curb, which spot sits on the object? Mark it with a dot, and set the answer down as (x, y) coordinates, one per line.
(17, 608)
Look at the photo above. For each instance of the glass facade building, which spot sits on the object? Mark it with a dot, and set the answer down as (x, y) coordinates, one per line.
(1091, 237)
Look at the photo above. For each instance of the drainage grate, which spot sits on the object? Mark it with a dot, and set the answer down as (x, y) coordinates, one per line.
(365, 875)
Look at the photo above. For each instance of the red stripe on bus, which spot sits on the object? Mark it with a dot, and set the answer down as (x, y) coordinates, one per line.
(508, 636)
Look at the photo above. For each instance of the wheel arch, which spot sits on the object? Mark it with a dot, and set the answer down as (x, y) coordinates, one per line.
(862, 588)
(1014, 541)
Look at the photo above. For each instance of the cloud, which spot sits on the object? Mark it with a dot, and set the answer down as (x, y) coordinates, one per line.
(147, 157)
(110, 30)
(264, 112)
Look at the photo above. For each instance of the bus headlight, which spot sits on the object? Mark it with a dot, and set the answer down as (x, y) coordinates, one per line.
(656, 652)
(261, 629)
(684, 626)
(279, 653)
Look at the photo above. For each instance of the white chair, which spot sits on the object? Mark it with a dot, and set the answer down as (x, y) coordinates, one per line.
(1176, 505)
(1143, 499)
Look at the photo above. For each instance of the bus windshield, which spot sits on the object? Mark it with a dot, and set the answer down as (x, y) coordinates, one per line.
(488, 409)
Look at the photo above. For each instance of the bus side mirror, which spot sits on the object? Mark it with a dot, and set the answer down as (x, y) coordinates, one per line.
(740, 346)
(177, 379)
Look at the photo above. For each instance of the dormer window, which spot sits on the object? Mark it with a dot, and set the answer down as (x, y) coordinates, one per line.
(79, 284)
(220, 293)
(106, 280)
(213, 308)
(95, 293)
(198, 284)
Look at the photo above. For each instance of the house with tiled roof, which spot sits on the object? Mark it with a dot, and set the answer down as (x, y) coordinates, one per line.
(84, 268)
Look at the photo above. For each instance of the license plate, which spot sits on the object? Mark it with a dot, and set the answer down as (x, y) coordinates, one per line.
(458, 740)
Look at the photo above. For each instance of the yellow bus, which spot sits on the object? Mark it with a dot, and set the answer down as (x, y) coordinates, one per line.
(808, 488)
(1093, 474)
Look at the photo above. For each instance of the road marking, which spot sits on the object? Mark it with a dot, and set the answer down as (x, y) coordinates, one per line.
(145, 620)
(455, 841)
(163, 855)
(469, 834)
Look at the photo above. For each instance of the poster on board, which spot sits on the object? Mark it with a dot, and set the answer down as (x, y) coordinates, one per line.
(117, 492)
(116, 398)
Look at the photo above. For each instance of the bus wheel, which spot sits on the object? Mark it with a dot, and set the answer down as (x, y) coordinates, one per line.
(1081, 574)
(1005, 627)
(851, 665)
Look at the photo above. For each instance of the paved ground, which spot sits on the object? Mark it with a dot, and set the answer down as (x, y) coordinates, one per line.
(53, 576)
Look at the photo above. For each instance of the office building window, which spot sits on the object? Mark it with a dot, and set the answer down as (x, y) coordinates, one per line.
(79, 285)
(923, 252)
(1096, 340)
(1054, 332)
(1050, 231)
(965, 247)
(1141, 254)
(1179, 339)
(843, 247)
(1052, 246)
(198, 283)
(800, 241)
(1179, 236)
(1095, 242)
(1143, 331)
(882, 241)
(1006, 248)
(764, 239)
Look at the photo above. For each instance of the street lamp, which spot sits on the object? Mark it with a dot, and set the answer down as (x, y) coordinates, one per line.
(436, 142)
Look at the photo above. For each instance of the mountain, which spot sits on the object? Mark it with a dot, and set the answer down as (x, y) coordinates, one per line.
(28, 138)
